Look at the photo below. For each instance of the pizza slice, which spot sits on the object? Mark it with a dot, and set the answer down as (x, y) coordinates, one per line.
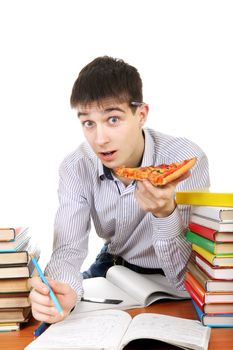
(158, 175)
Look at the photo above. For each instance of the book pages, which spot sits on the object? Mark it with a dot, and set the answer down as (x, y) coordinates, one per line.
(113, 329)
(92, 331)
(144, 288)
(178, 331)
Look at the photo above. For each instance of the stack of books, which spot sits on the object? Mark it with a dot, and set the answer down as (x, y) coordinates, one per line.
(209, 278)
(15, 269)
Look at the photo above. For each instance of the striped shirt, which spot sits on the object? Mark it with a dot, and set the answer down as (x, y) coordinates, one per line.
(90, 194)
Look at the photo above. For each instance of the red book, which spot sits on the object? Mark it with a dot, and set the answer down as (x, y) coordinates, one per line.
(194, 295)
(210, 233)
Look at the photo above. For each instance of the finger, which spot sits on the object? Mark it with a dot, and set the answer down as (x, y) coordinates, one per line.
(36, 283)
(179, 179)
(149, 191)
(45, 318)
(50, 311)
(40, 317)
(36, 297)
(146, 203)
(59, 287)
(145, 186)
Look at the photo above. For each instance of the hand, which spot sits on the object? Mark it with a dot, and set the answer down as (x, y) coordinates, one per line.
(43, 308)
(158, 200)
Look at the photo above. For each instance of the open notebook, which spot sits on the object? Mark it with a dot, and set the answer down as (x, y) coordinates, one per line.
(134, 289)
(114, 329)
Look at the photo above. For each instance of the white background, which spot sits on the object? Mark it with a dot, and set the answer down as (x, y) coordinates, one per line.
(182, 49)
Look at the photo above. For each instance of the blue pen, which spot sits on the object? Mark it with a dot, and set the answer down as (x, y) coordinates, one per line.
(42, 276)
(42, 327)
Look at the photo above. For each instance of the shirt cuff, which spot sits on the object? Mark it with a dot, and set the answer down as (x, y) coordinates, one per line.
(74, 282)
(168, 227)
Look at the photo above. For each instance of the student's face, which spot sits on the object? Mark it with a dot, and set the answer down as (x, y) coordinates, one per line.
(114, 132)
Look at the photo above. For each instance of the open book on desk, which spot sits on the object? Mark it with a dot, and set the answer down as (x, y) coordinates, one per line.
(134, 289)
(114, 329)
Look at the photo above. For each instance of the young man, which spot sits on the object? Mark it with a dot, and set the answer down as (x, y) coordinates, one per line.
(141, 224)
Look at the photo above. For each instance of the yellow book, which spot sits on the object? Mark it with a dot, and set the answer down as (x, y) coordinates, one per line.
(9, 326)
(213, 259)
(9, 323)
(205, 198)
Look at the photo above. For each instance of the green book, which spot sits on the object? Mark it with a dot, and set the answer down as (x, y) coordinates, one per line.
(217, 248)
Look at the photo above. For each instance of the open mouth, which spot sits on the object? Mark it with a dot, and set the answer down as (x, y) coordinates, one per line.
(108, 153)
(107, 156)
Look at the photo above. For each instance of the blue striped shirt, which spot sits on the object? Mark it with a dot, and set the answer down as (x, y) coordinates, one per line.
(88, 194)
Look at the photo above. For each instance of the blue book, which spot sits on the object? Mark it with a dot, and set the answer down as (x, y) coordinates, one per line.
(214, 320)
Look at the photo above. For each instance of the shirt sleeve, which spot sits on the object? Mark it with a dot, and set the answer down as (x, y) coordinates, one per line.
(71, 230)
(171, 247)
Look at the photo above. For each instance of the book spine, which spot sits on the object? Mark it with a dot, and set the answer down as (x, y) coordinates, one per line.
(197, 287)
(207, 211)
(198, 274)
(194, 295)
(218, 325)
(203, 252)
(206, 232)
(200, 241)
(205, 198)
(199, 311)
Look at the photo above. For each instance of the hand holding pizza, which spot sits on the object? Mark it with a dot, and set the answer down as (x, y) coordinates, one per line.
(156, 184)
(158, 200)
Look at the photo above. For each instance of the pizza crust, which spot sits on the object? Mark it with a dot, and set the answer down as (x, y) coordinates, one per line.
(163, 179)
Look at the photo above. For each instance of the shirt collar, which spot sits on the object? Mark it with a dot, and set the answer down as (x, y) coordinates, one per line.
(147, 159)
(149, 150)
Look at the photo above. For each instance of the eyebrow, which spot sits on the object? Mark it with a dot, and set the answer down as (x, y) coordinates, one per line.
(107, 110)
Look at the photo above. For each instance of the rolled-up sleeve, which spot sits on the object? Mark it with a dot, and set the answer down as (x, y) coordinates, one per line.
(71, 230)
(172, 249)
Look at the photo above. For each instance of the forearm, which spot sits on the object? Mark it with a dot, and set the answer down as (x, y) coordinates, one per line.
(71, 230)
(65, 268)
(171, 247)
(70, 245)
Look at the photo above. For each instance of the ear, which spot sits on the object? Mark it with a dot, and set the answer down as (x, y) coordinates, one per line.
(143, 113)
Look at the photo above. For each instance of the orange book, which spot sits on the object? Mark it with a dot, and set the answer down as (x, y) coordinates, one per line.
(195, 285)
(215, 308)
(194, 295)
(197, 291)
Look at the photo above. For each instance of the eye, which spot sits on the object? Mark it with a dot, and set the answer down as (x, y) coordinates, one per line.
(87, 124)
(113, 120)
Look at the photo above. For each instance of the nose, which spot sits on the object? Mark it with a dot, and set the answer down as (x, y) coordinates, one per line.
(101, 136)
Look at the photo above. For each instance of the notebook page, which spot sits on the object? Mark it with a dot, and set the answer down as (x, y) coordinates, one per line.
(100, 287)
(93, 330)
(174, 330)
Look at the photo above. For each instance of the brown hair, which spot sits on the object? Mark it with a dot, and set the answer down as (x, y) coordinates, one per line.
(107, 77)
